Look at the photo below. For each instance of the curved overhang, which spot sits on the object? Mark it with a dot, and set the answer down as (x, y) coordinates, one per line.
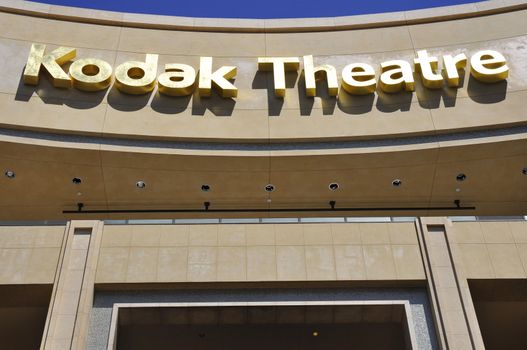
(174, 173)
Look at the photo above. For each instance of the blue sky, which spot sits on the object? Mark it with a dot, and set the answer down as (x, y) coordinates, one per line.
(256, 9)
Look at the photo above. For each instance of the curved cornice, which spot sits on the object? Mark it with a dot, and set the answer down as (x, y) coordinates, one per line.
(389, 145)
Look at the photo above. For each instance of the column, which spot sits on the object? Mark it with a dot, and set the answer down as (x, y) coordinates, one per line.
(455, 317)
(72, 297)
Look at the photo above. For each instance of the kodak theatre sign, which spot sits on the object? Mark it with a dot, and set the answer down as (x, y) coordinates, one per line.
(140, 77)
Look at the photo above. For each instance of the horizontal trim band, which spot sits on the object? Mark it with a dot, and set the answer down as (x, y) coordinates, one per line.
(10, 135)
(80, 210)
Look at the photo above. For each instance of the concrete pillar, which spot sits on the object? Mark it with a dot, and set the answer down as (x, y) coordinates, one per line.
(72, 297)
(456, 320)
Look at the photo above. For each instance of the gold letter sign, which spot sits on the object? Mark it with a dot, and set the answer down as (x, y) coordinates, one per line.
(91, 74)
(357, 78)
(218, 79)
(51, 62)
(278, 65)
(137, 78)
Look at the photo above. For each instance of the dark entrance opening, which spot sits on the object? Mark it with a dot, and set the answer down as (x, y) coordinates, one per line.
(23, 312)
(379, 327)
(501, 309)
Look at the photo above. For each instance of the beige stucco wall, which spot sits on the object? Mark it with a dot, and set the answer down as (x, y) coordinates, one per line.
(266, 252)
(112, 113)
(492, 250)
(29, 254)
(305, 252)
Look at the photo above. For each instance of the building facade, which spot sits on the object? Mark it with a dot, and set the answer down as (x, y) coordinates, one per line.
(177, 182)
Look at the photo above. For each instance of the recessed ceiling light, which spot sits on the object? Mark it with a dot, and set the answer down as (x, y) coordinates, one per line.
(205, 188)
(140, 184)
(269, 188)
(10, 174)
(458, 189)
(461, 177)
(76, 181)
(333, 186)
(397, 183)
(315, 334)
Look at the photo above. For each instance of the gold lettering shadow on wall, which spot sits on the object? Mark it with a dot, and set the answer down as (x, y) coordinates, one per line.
(347, 103)
(483, 93)
(265, 80)
(306, 103)
(479, 92)
(78, 99)
(170, 105)
(49, 94)
(486, 93)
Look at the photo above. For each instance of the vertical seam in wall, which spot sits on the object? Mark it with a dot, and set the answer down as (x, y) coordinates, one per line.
(487, 249)
(116, 53)
(362, 246)
(334, 256)
(156, 272)
(390, 248)
(394, 264)
(158, 252)
(128, 259)
(275, 252)
(216, 253)
(434, 176)
(429, 111)
(99, 251)
(157, 248)
(246, 247)
(304, 248)
(187, 257)
(516, 246)
(116, 50)
(245, 252)
(363, 261)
